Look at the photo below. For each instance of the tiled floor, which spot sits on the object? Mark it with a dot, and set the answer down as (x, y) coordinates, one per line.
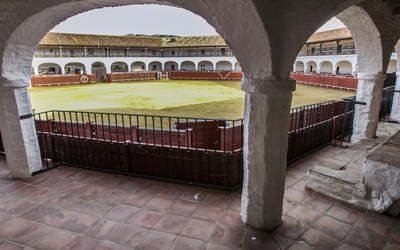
(71, 208)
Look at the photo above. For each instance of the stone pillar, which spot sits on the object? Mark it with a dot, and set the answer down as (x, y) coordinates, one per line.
(266, 127)
(366, 117)
(395, 113)
(18, 132)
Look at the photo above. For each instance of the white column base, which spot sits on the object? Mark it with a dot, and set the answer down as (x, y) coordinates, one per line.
(19, 135)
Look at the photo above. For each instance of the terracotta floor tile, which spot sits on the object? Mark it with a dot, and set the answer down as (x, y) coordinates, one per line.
(184, 208)
(332, 227)
(199, 229)
(257, 239)
(194, 194)
(4, 216)
(150, 189)
(379, 223)
(282, 242)
(217, 199)
(82, 242)
(345, 213)
(298, 246)
(295, 195)
(212, 246)
(145, 218)
(110, 246)
(366, 239)
(100, 208)
(392, 246)
(26, 191)
(72, 201)
(232, 217)
(318, 203)
(96, 179)
(228, 236)
(348, 247)
(172, 192)
(54, 240)
(116, 195)
(304, 214)
(156, 240)
(129, 235)
(98, 192)
(79, 188)
(11, 187)
(171, 223)
(78, 223)
(235, 203)
(80, 176)
(301, 186)
(7, 200)
(289, 181)
(4, 245)
(159, 204)
(209, 213)
(288, 206)
(13, 225)
(57, 217)
(295, 173)
(138, 200)
(121, 212)
(102, 229)
(290, 228)
(37, 212)
(114, 182)
(30, 234)
(395, 235)
(49, 180)
(131, 186)
(318, 240)
(19, 207)
(45, 194)
(181, 243)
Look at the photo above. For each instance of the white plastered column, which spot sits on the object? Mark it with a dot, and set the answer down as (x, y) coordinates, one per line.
(18, 132)
(366, 117)
(267, 111)
(395, 113)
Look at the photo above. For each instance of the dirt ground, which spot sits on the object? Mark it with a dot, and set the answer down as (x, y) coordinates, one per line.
(203, 99)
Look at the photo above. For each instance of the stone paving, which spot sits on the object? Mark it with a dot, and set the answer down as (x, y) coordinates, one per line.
(72, 208)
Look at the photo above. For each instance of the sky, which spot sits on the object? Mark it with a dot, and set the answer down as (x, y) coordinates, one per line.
(146, 19)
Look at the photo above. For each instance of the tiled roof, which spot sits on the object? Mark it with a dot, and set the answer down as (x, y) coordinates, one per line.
(189, 41)
(64, 39)
(330, 35)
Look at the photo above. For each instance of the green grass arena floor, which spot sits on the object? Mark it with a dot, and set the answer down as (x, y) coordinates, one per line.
(183, 98)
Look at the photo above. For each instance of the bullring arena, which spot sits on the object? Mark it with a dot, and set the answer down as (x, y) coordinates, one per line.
(317, 176)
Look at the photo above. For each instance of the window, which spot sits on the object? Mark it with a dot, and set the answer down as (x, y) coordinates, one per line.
(71, 52)
(203, 52)
(51, 50)
(173, 52)
(153, 52)
(91, 51)
(154, 67)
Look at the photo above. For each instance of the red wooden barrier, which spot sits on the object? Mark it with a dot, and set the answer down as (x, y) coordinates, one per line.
(55, 80)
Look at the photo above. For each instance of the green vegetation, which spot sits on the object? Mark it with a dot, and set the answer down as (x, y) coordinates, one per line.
(204, 99)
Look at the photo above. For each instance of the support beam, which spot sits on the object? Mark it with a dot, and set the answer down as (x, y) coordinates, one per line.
(267, 110)
(18, 132)
(366, 117)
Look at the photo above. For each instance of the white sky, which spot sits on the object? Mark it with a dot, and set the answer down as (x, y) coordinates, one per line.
(146, 19)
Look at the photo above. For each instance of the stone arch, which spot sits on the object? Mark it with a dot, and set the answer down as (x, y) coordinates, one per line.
(205, 66)
(74, 68)
(49, 69)
(392, 67)
(98, 64)
(326, 67)
(119, 67)
(138, 66)
(311, 66)
(237, 66)
(170, 65)
(155, 65)
(298, 66)
(223, 65)
(188, 65)
(343, 68)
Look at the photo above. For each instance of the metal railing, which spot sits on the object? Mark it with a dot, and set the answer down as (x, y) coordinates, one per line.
(205, 152)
